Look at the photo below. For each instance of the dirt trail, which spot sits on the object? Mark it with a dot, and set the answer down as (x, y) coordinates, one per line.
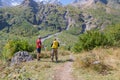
(64, 72)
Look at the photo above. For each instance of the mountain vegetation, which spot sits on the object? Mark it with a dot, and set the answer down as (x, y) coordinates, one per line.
(91, 29)
(31, 19)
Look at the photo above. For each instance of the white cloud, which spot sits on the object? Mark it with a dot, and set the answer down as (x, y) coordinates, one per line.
(14, 4)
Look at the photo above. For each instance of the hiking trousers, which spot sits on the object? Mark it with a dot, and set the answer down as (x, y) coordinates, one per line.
(54, 53)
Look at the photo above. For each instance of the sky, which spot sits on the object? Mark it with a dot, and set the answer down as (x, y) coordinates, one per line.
(66, 1)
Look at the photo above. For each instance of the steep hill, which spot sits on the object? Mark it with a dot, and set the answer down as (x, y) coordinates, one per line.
(20, 26)
(51, 17)
(31, 19)
(31, 13)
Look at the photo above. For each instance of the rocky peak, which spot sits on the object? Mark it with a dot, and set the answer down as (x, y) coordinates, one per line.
(88, 1)
(95, 1)
(55, 2)
(114, 4)
(104, 1)
(30, 3)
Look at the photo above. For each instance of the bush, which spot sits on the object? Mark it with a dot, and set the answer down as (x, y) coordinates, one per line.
(92, 39)
(13, 46)
(115, 31)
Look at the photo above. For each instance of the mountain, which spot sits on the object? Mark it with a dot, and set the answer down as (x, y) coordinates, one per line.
(30, 13)
(103, 1)
(4, 3)
(31, 3)
(90, 3)
(114, 4)
(111, 3)
(30, 17)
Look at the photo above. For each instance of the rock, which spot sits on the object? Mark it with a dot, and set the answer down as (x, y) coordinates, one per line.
(96, 62)
(21, 56)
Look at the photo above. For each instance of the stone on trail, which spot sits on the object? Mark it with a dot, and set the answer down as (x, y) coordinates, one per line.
(21, 56)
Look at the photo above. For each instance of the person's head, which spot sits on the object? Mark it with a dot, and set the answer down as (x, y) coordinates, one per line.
(39, 37)
(55, 39)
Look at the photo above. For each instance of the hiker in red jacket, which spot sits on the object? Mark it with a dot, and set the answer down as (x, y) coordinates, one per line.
(38, 47)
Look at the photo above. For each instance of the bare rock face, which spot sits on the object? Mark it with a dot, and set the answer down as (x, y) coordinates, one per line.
(29, 3)
(21, 56)
(89, 3)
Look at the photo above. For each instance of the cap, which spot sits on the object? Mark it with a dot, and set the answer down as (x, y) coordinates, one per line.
(39, 36)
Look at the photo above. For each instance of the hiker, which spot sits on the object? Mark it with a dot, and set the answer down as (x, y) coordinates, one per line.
(38, 47)
(54, 46)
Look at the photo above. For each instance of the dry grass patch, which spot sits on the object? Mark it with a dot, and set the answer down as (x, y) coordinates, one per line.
(33, 70)
(100, 60)
(64, 53)
(47, 54)
(98, 64)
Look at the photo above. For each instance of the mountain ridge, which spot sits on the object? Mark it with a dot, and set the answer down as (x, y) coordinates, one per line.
(51, 17)
(114, 4)
(7, 3)
(89, 3)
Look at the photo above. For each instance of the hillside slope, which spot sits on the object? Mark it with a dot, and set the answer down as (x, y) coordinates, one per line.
(52, 17)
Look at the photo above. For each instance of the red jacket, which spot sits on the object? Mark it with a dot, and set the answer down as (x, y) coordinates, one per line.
(38, 43)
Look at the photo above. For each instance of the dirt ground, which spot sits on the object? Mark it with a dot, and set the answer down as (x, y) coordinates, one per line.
(64, 72)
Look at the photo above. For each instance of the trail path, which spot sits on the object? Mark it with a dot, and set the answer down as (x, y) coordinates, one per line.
(64, 72)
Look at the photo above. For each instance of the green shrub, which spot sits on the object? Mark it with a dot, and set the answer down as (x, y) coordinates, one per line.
(13, 46)
(74, 30)
(92, 39)
(114, 30)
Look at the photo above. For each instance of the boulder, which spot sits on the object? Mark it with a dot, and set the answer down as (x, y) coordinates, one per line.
(21, 56)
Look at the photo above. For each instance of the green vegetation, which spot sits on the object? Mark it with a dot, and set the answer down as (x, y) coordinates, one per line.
(21, 25)
(74, 30)
(92, 39)
(13, 46)
(24, 21)
(115, 31)
(66, 41)
(104, 14)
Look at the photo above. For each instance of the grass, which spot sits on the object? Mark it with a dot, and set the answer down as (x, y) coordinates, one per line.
(34, 70)
(44, 69)
(82, 74)
(31, 70)
(107, 68)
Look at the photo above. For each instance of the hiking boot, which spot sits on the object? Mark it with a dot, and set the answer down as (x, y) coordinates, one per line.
(38, 59)
(56, 61)
(52, 60)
